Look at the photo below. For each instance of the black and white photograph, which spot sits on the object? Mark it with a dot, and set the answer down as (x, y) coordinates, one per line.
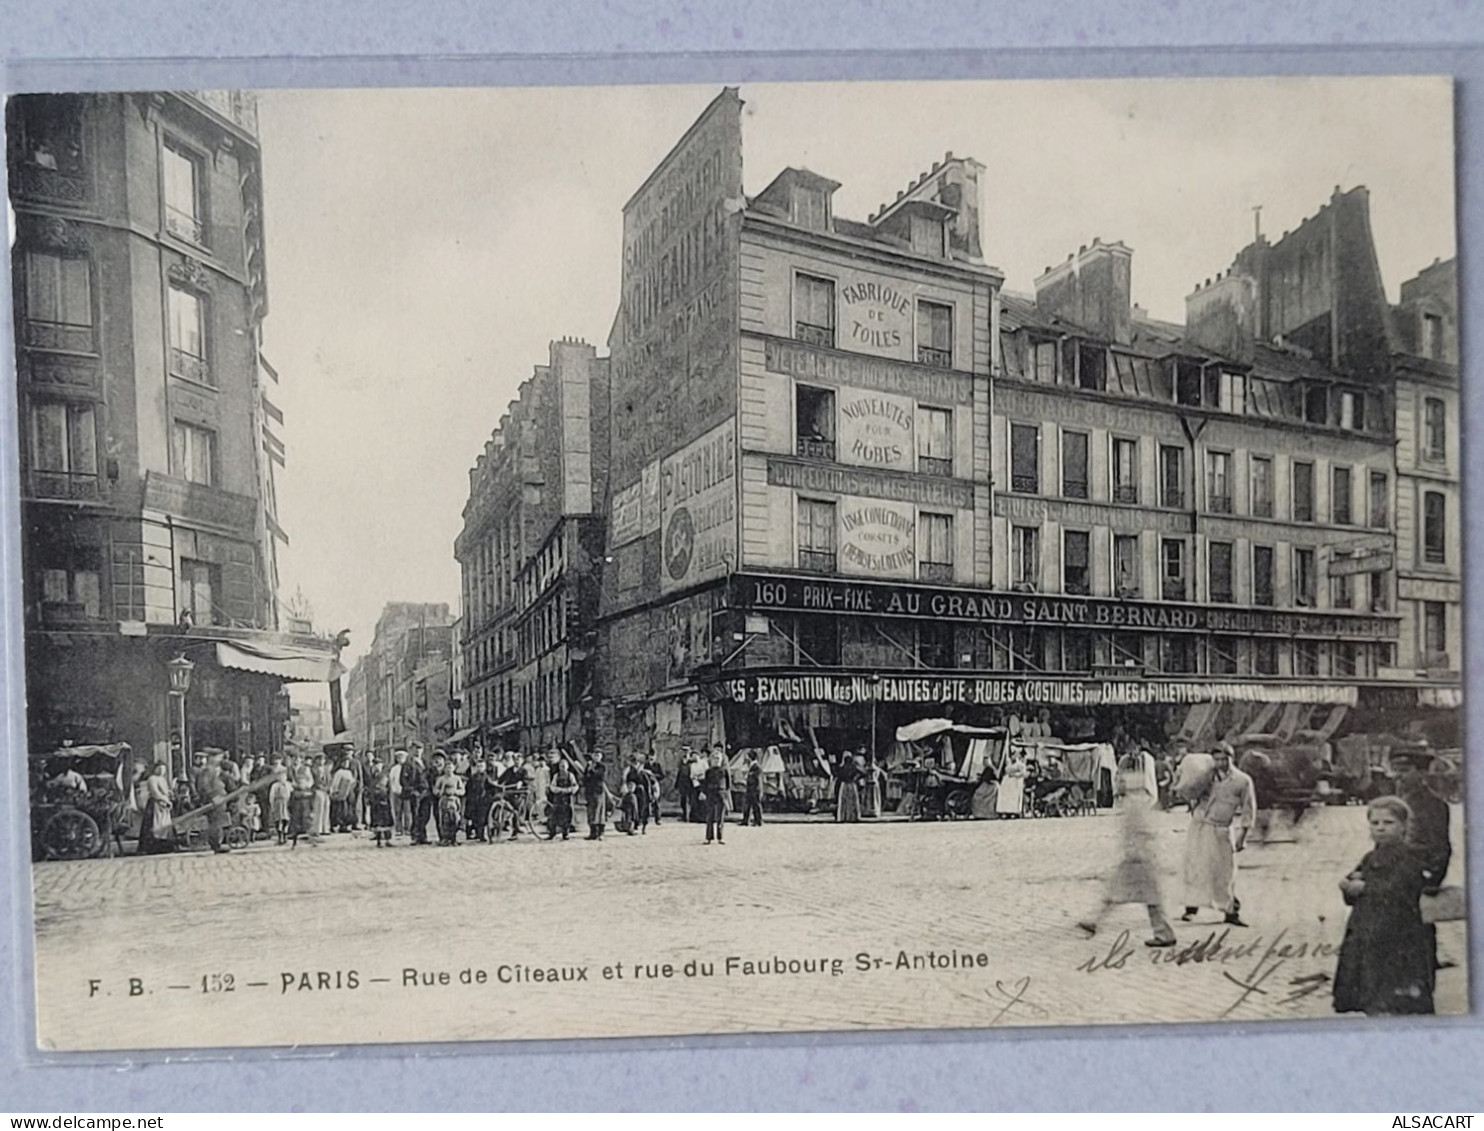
(532, 563)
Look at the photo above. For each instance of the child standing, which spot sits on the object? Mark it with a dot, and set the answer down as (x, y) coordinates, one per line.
(1386, 964)
(629, 809)
(448, 789)
(382, 817)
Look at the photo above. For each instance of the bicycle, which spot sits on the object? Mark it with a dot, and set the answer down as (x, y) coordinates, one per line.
(509, 812)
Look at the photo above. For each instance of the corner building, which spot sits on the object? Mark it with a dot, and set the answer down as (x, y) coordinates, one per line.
(800, 440)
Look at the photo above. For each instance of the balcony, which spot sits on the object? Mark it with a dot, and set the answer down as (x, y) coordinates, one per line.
(1076, 586)
(1128, 591)
(1074, 488)
(933, 465)
(67, 486)
(1262, 508)
(1172, 589)
(59, 336)
(185, 226)
(1173, 498)
(1125, 493)
(817, 561)
(943, 359)
(1025, 484)
(816, 449)
(935, 571)
(815, 335)
(1220, 504)
(189, 367)
(199, 502)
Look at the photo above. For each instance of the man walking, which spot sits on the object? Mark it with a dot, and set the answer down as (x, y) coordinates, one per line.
(417, 794)
(714, 789)
(211, 788)
(752, 801)
(1219, 822)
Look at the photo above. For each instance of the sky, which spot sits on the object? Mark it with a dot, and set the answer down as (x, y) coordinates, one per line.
(424, 247)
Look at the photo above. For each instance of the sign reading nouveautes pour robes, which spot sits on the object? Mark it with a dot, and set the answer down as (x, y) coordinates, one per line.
(787, 592)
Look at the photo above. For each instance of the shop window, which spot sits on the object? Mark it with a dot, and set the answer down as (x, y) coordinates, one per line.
(935, 546)
(1025, 459)
(1340, 496)
(1076, 563)
(200, 588)
(935, 332)
(1305, 581)
(1380, 500)
(1345, 653)
(1171, 476)
(1303, 491)
(1074, 465)
(1219, 482)
(935, 640)
(1172, 569)
(935, 441)
(1262, 575)
(818, 640)
(1076, 648)
(815, 422)
(1126, 650)
(64, 450)
(1027, 649)
(184, 203)
(1126, 566)
(1221, 655)
(193, 454)
(1262, 487)
(1219, 561)
(59, 302)
(1434, 536)
(814, 310)
(1025, 558)
(817, 534)
(1434, 429)
(1177, 654)
(1265, 655)
(1125, 471)
(1306, 657)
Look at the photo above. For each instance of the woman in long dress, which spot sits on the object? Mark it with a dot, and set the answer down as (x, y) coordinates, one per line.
(871, 789)
(1134, 879)
(156, 834)
(321, 815)
(1010, 800)
(848, 798)
(301, 801)
(278, 801)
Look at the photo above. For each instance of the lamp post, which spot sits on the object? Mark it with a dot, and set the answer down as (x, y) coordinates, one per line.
(875, 680)
(180, 683)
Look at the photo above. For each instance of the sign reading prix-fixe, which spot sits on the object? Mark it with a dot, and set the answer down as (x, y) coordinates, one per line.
(1010, 691)
(698, 508)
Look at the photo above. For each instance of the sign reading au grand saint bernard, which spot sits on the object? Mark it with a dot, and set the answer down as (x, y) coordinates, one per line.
(786, 592)
(801, 687)
(698, 507)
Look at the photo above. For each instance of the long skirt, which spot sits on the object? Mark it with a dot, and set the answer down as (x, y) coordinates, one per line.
(1010, 801)
(381, 812)
(450, 817)
(848, 803)
(1210, 866)
(278, 803)
(871, 798)
(320, 814)
(342, 813)
(149, 843)
(301, 812)
(984, 803)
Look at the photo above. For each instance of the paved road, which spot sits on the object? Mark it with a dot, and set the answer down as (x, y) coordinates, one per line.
(882, 926)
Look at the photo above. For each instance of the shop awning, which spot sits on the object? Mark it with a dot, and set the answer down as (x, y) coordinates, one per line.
(505, 725)
(459, 735)
(292, 662)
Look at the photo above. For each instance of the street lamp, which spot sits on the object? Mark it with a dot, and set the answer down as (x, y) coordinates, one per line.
(180, 684)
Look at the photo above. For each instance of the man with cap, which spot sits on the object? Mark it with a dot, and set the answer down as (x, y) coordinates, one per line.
(1219, 821)
(1427, 831)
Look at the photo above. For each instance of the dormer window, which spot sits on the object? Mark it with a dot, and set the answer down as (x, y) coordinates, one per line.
(811, 208)
(926, 235)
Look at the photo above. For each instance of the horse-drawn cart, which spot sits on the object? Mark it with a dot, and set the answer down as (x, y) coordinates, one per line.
(77, 800)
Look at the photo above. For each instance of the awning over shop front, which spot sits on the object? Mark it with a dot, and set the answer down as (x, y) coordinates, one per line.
(460, 735)
(505, 725)
(292, 662)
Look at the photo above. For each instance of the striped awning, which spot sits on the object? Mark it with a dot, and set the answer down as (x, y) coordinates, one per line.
(291, 662)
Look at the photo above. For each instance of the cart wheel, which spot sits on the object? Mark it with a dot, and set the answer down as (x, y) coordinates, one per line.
(71, 835)
(238, 837)
(958, 803)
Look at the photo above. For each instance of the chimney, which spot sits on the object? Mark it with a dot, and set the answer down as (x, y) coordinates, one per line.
(952, 183)
(1221, 314)
(1092, 290)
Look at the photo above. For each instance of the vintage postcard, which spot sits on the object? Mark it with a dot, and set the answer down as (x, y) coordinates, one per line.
(556, 563)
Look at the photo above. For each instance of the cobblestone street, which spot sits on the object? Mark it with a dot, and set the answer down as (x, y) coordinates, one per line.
(314, 945)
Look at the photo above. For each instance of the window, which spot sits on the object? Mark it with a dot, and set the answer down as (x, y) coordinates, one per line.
(1262, 575)
(1025, 557)
(934, 334)
(1316, 404)
(817, 535)
(1126, 565)
(1434, 425)
(1342, 588)
(1176, 654)
(1025, 458)
(1219, 482)
(188, 336)
(1171, 476)
(814, 310)
(1434, 634)
(1027, 649)
(935, 441)
(1076, 565)
(1379, 599)
(1172, 569)
(935, 644)
(182, 182)
(810, 208)
(1303, 492)
(1352, 412)
(200, 582)
(935, 546)
(1187, 383)
(49, 133)
(818, 639)
(1126, 650)
(1380, 507)
(1044, 355)
(59, 302)
(1221, 655)
(926, 235)
(1304, 580)
(193, 454)
(1219, 563)
(1092, 367)
(1076, 651)
(1074, 465)
(815, 422)
(1432, 336)
(1306, 657)
(1434, 539)
(74, 593)
(1265, 655)
(64, 450)
(1345, 657)
(1262, 487)
(1125, 471)
(1341, 496)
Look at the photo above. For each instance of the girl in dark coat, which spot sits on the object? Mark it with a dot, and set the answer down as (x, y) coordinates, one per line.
(1386, 963)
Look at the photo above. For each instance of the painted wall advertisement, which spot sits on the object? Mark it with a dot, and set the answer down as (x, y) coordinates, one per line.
(626, 523)
(698, 503)
(876, 430)
(649, 503)
(877, 538)
(876, 317)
